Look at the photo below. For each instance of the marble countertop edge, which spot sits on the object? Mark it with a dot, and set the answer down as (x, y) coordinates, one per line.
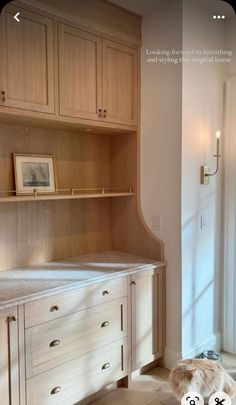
(72, 285)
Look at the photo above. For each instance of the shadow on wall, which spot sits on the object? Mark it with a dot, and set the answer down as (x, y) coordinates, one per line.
(199, 280)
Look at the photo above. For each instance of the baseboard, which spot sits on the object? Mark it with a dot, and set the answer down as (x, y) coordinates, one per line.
(213, 342)
(171, 358)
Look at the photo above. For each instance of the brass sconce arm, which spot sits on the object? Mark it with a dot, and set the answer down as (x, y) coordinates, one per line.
(217, 166)
(205, 173)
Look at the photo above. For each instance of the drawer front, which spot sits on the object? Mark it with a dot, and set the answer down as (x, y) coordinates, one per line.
(79, 378)
(53, 343)
(56, 306)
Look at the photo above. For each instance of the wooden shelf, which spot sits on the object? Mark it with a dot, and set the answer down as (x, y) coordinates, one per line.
(53, 197)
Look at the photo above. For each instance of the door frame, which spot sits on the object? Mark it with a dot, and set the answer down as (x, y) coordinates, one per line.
(229, 332)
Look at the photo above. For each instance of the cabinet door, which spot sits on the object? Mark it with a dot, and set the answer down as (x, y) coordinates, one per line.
(146, 317)
(79, 73)
(120, 83)
(27, 79)
(9, 380)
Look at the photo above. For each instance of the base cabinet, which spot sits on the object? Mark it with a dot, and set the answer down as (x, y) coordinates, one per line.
(147, 313)
(9, 377)
(61, 349)
(79, 378)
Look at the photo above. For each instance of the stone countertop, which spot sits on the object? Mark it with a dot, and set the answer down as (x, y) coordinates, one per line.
(29, 283)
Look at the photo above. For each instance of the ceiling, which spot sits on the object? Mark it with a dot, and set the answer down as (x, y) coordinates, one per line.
(142, 7)
(138, 6)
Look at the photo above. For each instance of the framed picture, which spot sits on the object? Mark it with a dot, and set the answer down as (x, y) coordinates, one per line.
(34, 173)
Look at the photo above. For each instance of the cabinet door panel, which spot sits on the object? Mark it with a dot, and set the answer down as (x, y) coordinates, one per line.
(9, 381)
(120, 83)
(79, 73)
(146, 317)
(28, 70)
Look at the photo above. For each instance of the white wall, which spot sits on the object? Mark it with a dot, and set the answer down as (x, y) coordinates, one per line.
(181, 110)
(161, 88)
(182, 107)
(202, 115)
(231, 44)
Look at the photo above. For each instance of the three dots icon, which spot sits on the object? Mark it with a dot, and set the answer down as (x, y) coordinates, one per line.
(218, 17)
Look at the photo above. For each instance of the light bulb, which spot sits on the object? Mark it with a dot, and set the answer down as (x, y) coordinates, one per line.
(218, 134)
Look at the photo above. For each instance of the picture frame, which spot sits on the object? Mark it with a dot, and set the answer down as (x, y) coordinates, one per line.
(34, 174)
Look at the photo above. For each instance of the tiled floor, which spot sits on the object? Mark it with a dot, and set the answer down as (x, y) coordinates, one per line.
(153, 388)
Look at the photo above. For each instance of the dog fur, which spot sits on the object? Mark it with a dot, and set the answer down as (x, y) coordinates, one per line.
(201, 375)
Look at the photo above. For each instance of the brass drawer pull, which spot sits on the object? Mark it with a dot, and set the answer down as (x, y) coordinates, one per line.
(55, 343)
(12, 318)
(104, 113)
(105, 292)
(133, 282)
(55, 390)
(106, 366)
(100, 113)
(3, 96)
(54, 308)
(105, 324)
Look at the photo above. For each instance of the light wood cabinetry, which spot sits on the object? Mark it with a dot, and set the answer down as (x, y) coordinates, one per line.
(73, 356)
(90, 339)
(57, 73)
(79, 378)
(53, 67)
(9, 375)
(51, 344)
(80, 73)
(147, 317)
(97, 78)
(120, 83)
(59, 305)
(27, 68)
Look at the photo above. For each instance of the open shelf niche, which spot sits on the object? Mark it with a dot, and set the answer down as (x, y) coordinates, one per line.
(36, 229)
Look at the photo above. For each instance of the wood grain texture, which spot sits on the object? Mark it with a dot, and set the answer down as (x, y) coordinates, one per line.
(80, 377)
(120, 83)
(27, 71)
(33, 233)
(130, 233)
(74, 336)
(38, 119)
(80, 73)
(147, 320)
(9, 381)
(38, 312)
(100, 16)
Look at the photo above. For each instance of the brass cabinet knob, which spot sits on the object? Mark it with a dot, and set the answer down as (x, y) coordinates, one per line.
(3, 96)
(133, 282)
(105, 324)
(54, 308)
(104, 113)
(56, 390)
(106, 292)
(106, 366)
(55, 343)
(12, 318)
(100, 113)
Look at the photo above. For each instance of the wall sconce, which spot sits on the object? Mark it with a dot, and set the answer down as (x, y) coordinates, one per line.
(205, 171)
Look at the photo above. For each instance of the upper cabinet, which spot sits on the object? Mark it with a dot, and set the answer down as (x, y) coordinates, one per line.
(120, 92)
(80, 73)
(52, 65)
(27, 71)
(97, 77)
